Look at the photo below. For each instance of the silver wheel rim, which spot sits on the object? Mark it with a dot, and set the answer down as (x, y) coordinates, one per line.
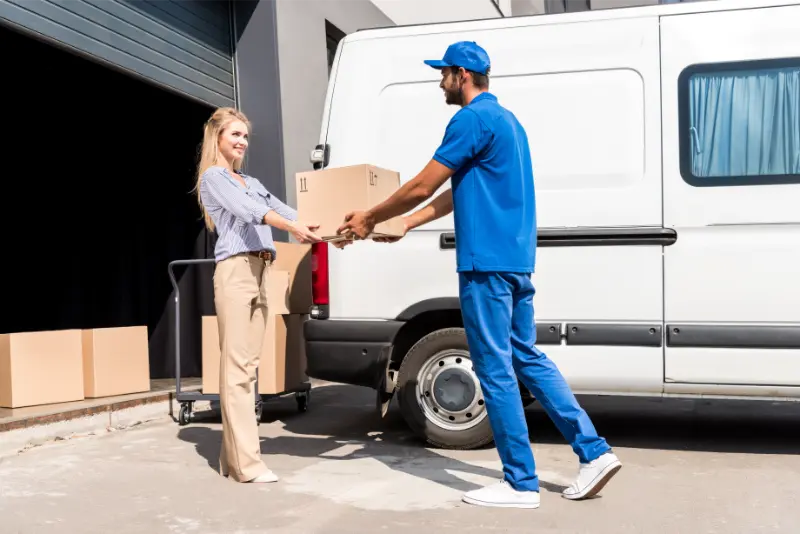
(445, 376)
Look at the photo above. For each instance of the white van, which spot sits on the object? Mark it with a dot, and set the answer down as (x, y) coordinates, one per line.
(666, 149)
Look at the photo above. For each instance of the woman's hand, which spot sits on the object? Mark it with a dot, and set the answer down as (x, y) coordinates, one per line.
(304, 232)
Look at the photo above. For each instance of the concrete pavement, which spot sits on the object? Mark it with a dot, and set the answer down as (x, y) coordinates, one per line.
(690, 467)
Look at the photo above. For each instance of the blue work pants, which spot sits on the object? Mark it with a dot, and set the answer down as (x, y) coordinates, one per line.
(498, 318)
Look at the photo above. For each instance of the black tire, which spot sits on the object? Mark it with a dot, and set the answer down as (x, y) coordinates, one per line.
(259, 411)
(425, 348)
(302, 401)
(527, 396)
(184, 416)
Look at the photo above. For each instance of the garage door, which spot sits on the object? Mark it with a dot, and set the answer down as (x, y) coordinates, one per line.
(184, 45)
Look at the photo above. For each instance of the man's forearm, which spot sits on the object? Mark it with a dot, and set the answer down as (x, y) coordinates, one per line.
(439, 207)
(412, 194)
(408, 197)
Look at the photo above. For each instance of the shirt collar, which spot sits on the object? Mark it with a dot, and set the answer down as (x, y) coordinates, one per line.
(486, 95)
(247, 179)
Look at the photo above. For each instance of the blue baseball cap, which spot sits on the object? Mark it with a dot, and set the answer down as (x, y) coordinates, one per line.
(465, 54)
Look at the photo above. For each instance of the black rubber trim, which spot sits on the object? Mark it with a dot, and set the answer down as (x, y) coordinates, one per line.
(436, 304)
(548, 333)
(733, 336)
(357, 331)
(349, 352)
(628, 335)
(590, 237)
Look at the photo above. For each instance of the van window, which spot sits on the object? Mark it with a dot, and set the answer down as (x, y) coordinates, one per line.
(740, 123)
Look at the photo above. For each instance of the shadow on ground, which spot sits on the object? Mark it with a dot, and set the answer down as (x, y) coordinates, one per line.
(340, 415)
(723, 426)
(341, 418)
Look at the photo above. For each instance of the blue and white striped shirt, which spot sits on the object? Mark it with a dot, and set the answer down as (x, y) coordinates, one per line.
(238, 212)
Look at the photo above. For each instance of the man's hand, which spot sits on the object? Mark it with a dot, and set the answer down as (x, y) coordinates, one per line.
(409, 196)
(341, 243)
(393, 239)
(304, 232)
(360, 223)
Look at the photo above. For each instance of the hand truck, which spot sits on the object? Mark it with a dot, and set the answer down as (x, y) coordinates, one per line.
(187, 398)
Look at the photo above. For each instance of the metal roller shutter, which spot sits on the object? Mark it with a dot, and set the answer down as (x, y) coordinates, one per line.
(184, 45)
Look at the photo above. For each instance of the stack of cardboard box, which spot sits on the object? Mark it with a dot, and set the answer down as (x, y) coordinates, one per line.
(324, 197)
(70, 365)
(283, 362)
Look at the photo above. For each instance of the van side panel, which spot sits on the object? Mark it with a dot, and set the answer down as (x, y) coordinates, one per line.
(588, 94)
(731, 280)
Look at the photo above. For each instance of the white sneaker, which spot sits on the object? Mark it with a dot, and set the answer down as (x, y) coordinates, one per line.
(502, 495)
(593, 476)
(264, 478)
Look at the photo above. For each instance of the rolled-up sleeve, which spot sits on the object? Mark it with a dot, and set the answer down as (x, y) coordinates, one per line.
(233, 198)
(281, 209)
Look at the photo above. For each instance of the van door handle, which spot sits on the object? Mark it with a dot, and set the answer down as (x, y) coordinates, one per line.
(447, 241)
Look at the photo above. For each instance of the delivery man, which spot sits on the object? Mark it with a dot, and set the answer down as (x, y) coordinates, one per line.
(485, 151)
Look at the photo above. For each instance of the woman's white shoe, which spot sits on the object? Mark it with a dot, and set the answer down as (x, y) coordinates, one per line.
(265, 478)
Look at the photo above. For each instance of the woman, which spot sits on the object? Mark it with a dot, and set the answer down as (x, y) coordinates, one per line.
(242, 211)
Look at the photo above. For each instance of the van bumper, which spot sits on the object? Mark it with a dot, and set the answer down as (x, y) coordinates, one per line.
(349, 352)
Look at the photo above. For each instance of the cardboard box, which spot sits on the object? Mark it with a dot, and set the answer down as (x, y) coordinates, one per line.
(283, 358)
(278, 291)
(327, 195)
(282, 366)
(278, 303)
(116, 361)
(295, 259)
(41, 368)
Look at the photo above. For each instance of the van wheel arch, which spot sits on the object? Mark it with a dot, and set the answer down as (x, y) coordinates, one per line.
(421, 320)
(427, 320)
(419, 326)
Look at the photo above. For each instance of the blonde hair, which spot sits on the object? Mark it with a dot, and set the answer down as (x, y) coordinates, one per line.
(209, 151)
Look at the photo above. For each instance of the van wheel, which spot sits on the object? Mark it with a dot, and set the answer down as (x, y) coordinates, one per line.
(439, 394)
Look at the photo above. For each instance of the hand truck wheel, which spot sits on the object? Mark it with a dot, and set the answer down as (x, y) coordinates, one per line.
(259, 411)
(302, 398)
(185, 414)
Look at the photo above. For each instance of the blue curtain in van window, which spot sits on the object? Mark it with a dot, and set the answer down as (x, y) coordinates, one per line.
(745, 123)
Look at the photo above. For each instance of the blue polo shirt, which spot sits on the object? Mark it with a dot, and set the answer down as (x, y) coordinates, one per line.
(494, 205)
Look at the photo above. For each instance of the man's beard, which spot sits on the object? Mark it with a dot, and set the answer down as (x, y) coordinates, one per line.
(454, 97)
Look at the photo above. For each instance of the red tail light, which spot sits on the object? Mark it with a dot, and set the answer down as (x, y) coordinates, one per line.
(319, 274)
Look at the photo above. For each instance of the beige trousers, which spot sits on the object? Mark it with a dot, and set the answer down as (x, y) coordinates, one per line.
(240, 296)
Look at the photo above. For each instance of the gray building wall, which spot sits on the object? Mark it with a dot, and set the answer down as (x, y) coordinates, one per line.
(183, 46)
(537, 7)
(527, 7)
(303, 66)
(610, 4)
(258, 92)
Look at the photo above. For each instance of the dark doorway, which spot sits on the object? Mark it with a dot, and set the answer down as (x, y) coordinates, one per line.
(97, 185)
